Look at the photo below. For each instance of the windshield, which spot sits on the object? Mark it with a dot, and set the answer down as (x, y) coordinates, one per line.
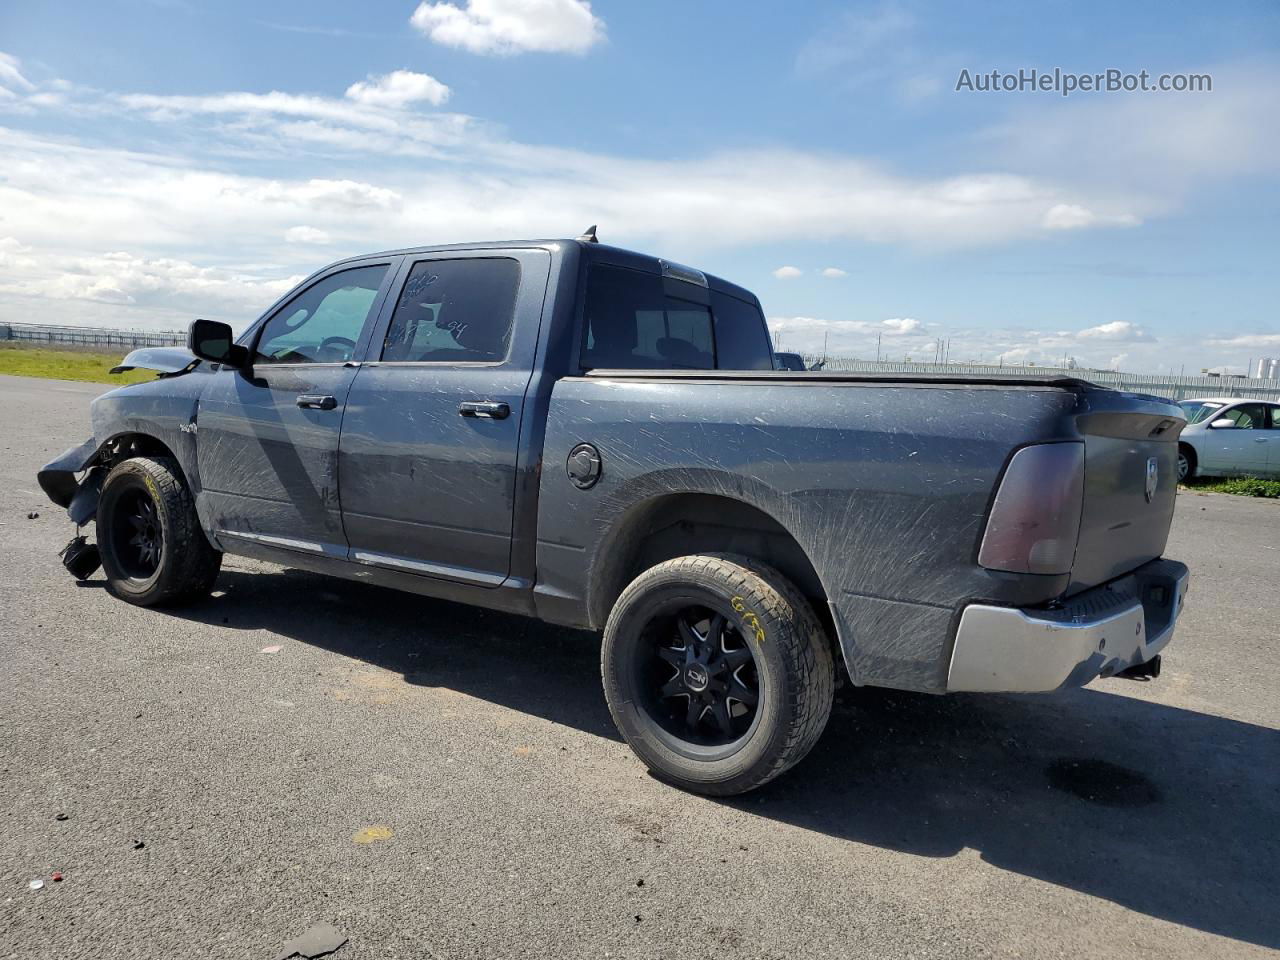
(1197, 410)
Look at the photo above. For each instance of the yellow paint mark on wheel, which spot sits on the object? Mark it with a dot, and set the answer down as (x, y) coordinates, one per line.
(749, 618)
(372, 834)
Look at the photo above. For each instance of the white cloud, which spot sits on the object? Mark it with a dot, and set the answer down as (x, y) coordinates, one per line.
(69, 199)
(397, 89)
(857, 40)
(1120, 331)
(690, 204)
(787, 273)
(1151, 148)
(834, 272)
(318, 194)
(901, 325)
(506, 27)
(11, 74)
(1072, 216)
(122, 279)
(1263, 340)
(818, 324)
(304, 234)
(877, 47)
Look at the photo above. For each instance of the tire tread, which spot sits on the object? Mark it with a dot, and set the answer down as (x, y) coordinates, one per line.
(792, 624)
(195, 562)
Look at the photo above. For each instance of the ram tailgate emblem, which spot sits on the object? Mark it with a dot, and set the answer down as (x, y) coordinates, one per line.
(1153, 477)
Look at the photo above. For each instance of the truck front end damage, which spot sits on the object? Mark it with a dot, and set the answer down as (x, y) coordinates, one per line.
(58, 479)
(62, 482)
(74, 480)
(147, 418)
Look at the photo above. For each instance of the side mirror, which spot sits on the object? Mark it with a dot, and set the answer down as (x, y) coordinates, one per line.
(1226, 423)
(212, 340)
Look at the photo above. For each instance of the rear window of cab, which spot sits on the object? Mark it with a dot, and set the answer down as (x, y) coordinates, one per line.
(636, 321)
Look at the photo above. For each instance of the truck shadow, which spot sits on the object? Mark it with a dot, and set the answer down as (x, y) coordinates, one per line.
(1165, 811)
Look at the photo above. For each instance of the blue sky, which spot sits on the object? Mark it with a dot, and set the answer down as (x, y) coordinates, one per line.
(163, 159)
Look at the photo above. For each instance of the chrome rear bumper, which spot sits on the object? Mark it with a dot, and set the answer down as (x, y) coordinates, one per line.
(1097, 633)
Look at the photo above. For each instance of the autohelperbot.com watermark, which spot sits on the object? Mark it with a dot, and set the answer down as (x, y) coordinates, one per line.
(1065, 82)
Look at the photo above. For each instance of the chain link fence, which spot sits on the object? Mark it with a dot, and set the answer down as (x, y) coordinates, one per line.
(1164, 385)
(38, 333)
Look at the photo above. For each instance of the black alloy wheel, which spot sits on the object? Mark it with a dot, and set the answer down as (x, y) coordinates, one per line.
(136, 534)
(703, 686)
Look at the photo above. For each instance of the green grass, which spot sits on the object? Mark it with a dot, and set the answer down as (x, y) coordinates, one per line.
(1240, 486)
(23, 361)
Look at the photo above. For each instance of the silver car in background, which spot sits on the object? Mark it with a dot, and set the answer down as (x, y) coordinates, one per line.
(1229, 437)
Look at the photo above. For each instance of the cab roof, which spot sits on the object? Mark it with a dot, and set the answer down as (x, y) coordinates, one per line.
(593, 250)
(1219, 400)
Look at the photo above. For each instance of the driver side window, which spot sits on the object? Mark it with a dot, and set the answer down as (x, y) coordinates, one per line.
(1247, 416)
(322, 324)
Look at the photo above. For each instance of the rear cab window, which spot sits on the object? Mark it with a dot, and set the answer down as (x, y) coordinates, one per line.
(638, 320)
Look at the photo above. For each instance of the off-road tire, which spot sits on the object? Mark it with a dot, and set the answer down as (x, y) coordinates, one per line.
(188, 563)
(792, 656)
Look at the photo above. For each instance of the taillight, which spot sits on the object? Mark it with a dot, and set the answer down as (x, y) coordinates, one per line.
(1035, 520)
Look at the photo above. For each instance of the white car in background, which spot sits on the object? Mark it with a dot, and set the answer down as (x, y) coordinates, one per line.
(1229, 437)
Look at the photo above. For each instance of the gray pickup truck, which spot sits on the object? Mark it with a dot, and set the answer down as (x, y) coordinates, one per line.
(598, 438)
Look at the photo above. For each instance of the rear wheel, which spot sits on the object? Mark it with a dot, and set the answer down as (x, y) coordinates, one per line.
(153, 549)
(717, 672)
(1186, 463)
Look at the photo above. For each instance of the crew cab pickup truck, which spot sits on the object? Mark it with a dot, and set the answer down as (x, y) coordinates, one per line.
(599, 438)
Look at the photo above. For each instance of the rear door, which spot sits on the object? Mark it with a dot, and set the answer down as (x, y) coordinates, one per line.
(1273, 444)
(427, 460)
(268, 435)
(1242, 448)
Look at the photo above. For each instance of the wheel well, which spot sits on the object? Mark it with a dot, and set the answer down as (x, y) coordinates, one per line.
(126, 445)
(1188, 449)
(681, 524)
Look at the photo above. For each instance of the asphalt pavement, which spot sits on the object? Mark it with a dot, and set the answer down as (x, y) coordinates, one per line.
(444, 782)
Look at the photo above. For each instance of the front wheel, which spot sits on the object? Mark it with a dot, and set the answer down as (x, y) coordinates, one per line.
(153, 549)
(1186, 463)
(717, 672)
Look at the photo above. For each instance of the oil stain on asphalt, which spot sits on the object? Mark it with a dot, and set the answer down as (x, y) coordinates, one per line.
(1102, 783)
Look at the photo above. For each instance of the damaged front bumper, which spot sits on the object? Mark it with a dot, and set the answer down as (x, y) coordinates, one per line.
(1098, 633)
(57, 479)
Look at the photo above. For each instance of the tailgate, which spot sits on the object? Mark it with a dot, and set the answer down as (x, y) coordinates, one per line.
(1130, 483)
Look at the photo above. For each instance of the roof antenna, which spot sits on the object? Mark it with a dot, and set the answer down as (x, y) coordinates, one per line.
(590, 235)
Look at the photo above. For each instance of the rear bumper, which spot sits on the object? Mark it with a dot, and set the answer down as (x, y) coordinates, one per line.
(1097, 633)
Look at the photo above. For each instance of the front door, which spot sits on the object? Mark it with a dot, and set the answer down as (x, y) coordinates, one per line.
(1273, 442)
(268, 435)
(431, 435)
(1242, 448)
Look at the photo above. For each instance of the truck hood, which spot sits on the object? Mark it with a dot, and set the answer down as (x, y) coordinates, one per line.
(168, 361)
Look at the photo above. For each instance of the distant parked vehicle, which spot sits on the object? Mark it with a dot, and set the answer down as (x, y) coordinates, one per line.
(788, 361)
(1229, 437)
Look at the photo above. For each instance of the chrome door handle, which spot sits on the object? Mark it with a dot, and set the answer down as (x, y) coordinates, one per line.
(484, 409)
(316, 401)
